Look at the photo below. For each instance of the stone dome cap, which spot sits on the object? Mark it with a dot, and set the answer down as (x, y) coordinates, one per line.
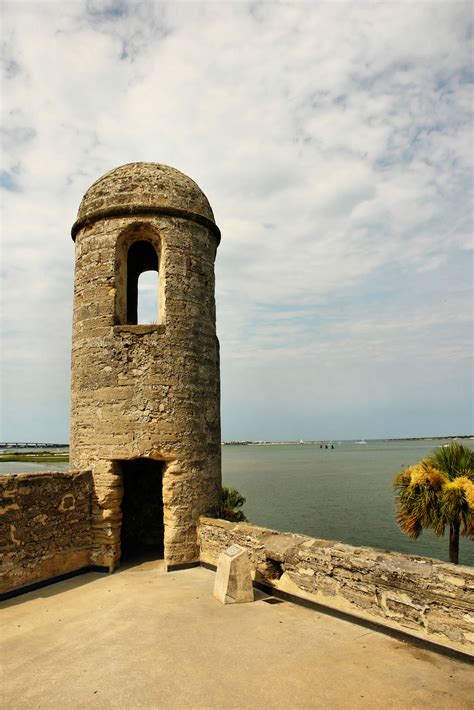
(144, 189)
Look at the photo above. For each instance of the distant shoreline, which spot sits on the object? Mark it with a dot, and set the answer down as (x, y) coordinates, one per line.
(30, 445)
(347, 441)
(12, 451)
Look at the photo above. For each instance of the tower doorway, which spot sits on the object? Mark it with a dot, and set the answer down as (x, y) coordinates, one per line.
(142, 531)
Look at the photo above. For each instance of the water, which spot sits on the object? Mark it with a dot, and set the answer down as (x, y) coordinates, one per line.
(19, 467)
(341, 494)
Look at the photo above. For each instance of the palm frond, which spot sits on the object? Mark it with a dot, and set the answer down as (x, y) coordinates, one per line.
(454, 505)
(231, 500)
(453, 460)
(417, 499)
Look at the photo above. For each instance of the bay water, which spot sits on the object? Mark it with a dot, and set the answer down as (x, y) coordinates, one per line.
(342, 494)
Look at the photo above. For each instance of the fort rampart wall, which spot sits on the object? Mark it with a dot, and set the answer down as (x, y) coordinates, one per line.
(426, 598)
(45, 526)
(45, 532)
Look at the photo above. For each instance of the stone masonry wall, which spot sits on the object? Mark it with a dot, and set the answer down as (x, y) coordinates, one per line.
(146, 391)
(45, 526)
(428, 598)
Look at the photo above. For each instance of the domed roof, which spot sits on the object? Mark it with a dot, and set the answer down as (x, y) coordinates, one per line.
(144, 187)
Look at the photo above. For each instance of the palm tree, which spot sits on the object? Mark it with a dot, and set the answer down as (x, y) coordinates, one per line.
(232, 499)
(437, 493)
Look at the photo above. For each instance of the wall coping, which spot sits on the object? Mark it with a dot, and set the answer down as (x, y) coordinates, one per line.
(300, 538)
(23, 475)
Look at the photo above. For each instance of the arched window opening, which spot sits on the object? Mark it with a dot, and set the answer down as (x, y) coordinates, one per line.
(142, 283)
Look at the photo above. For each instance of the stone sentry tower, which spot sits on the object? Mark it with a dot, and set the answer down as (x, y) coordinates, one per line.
(145, 398)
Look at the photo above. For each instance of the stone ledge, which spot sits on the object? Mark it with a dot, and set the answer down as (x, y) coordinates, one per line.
(44, 474)
(159, 328)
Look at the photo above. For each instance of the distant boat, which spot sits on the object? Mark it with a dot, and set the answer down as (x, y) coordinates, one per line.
(362, 441)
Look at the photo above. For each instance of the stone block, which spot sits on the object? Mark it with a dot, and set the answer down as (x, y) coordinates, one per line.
(278, 547)
(233, 582)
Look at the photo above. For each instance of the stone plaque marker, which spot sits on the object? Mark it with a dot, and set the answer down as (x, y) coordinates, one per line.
(233, 577)
(233, 550)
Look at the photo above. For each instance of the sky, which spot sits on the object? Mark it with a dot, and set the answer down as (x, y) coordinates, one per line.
(334, 143)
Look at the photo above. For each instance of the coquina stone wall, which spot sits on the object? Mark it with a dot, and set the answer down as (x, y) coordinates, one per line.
(427, 598)
(45, 526)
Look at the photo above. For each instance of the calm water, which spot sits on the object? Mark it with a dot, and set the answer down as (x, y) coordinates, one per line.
(342, 494)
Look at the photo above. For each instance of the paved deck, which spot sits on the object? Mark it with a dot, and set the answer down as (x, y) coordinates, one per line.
(141, 638)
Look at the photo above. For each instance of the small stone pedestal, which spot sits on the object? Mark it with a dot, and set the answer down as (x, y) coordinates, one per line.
(233, 577)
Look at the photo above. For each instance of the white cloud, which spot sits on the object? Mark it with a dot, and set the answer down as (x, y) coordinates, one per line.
(334, 142)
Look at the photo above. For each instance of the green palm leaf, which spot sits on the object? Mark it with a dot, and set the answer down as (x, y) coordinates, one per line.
(231, 501)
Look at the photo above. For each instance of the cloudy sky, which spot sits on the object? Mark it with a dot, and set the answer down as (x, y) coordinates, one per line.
(334, 142)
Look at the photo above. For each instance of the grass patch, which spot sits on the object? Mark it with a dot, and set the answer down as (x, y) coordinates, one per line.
(46, 457)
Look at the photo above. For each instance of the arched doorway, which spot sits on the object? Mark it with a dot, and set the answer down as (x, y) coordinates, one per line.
(142, 531)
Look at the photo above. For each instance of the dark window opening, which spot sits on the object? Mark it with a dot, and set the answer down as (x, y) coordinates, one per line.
(142, 303)
(142, 532)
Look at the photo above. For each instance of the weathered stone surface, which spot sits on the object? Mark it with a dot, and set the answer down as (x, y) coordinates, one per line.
(277, 547)
(144, 184)
(428, 598)
(146, 391)
(45, 526)
(233, 583)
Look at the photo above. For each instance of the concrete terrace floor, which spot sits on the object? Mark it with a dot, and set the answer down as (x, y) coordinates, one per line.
(141, 638)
